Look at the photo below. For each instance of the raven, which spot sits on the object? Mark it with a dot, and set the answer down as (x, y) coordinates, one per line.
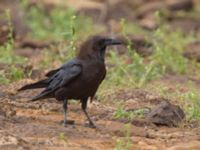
(78, 78)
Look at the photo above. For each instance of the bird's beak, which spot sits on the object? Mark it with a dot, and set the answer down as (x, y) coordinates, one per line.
(113, 42)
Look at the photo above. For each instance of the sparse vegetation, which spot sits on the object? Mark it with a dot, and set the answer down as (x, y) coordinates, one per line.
(130, 115)
(125, 143)
(191, 101)
(169, 46)
(63, 138)
(166, 73)
(9, 58)
(55, 24)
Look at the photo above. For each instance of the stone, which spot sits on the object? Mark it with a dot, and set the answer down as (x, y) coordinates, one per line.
(166, 114)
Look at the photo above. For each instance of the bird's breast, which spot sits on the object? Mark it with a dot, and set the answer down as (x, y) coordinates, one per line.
(94, 71)
(88, 81)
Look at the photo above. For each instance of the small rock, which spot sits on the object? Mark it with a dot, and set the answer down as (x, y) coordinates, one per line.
(10, 142)
(7, 140)
(186, 25)
(166, 114)
(2, 94)
(10, 113)
(193, 51)
(26, 52)
(35, 44)
(149, 7)
(149, 22)
(175, 5)
(7, 111)
(4, 34)
(108, 10)
(17, 17)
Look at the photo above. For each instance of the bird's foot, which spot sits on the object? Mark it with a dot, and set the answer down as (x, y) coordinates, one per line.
(65, 124)
(68, 122)
(90, 125)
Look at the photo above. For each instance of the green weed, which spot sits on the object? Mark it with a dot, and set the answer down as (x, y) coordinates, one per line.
(130, 115)
(56, 23)
(191, 100)
(169, 46)
(125, 143)
(62, 51)
(63, 138)
(14, 73)
(3, 78)
(60, 25)
(167, 58)
(9, 58)
(137, 72)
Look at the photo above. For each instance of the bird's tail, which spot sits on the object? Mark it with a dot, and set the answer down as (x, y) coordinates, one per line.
(46, 93)
(39, 84)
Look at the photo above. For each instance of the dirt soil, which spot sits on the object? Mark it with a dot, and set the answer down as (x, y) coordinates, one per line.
(37, 125)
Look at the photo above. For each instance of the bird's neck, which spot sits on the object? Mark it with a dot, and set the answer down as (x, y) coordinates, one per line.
(99, 56)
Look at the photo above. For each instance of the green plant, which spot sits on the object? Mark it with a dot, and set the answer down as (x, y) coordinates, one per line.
(137, 72)
(3, 79)
(9, 58)
(59, 24)
(63, 138)
(168, 48)
(128, 28)
(191, 100)
(15, 73)
(130, 115)
(167, 58)
(64, 50)
(6, 51)
(67, 52)
(125, 143)
(56, 23)
(122, 113)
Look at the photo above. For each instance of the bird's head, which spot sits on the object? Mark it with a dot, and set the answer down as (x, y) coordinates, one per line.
(96, 46)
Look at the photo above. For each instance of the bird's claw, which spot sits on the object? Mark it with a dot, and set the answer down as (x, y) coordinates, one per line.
(68, 122)
(90, 125)
(65, 125)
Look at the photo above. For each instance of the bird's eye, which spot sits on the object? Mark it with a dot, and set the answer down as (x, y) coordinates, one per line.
(101, 45)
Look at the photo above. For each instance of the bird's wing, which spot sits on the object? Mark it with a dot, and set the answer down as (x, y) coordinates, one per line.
(52, 72)
(62, 77)
(65, 65)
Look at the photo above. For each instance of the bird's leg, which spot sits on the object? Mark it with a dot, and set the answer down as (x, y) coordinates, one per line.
(84, 106)
(65, 112)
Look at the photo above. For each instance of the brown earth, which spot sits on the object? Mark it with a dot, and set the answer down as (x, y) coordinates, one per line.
(37, 125)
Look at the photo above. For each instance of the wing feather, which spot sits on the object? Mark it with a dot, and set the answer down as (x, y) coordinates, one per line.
(61, 78)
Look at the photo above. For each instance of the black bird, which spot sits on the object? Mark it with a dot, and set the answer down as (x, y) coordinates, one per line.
(78, 78)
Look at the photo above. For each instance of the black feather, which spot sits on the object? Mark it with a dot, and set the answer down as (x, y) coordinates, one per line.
(52, 72)
(39, 84)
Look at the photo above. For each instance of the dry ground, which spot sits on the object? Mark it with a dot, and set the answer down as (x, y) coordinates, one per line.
(37, 125)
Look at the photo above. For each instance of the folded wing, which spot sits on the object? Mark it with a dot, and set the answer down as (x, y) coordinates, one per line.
(58, 79)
